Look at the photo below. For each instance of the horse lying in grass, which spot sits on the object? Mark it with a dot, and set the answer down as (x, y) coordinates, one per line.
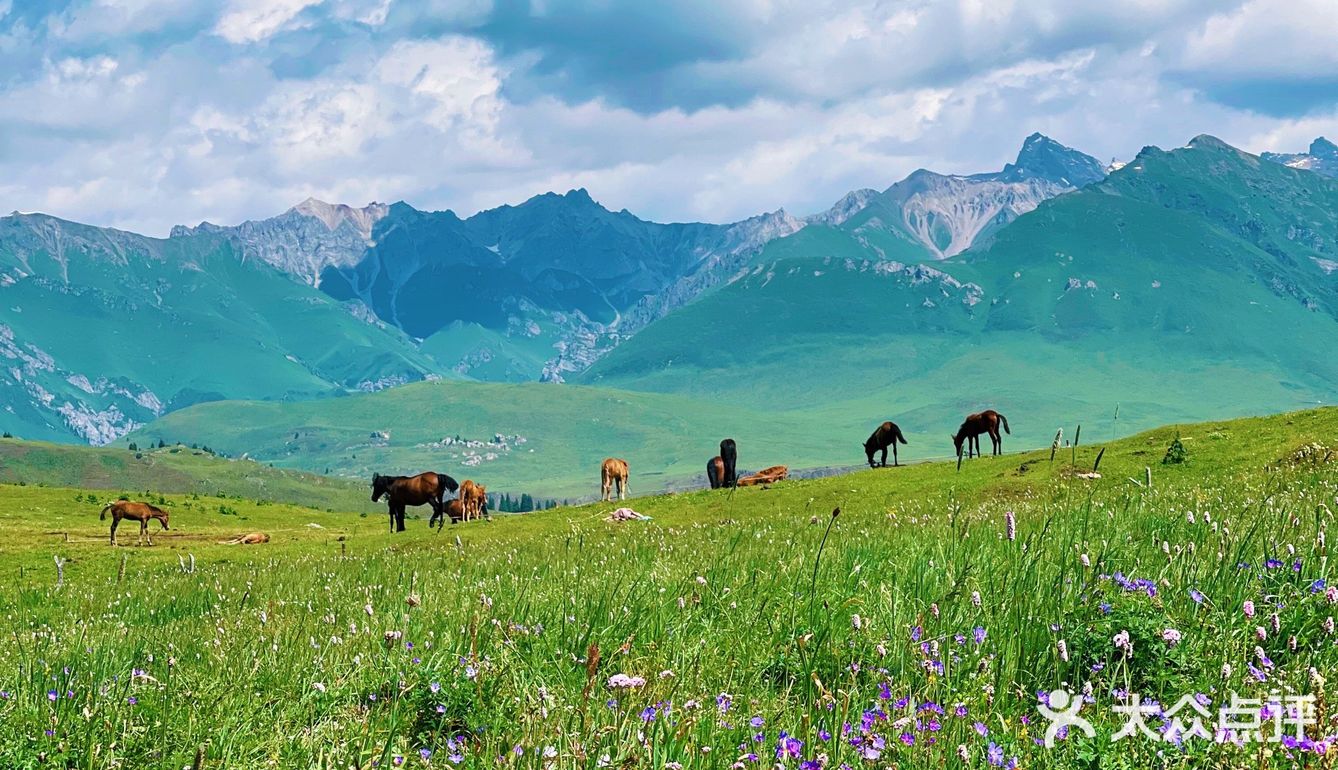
(765, 476)
(987, 421)
(613, 472)
(400, 491)
(141, 512)
(887, 435)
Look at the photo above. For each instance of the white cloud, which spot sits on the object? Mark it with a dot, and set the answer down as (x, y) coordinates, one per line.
(251, 21)
(1268, 37)
(832, 96)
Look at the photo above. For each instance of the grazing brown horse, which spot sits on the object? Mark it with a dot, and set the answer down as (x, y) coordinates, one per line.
(887, 435)
(451, 508)
(473, 500)
(401, 491)
(987, 421)
(715, 472)
(141, 512)
(613, 472)
(729, 452)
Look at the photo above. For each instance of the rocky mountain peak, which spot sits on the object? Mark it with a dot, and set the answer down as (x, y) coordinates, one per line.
(1043, 158)
(332, 215)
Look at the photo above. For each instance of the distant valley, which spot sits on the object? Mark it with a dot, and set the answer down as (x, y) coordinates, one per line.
(1183, 284)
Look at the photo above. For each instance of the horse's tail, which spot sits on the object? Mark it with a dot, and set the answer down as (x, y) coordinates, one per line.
(103, 516)
(1004, 420)
(451, 484)
(900, 437)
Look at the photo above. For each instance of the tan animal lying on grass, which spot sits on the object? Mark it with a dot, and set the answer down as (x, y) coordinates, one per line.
(253, 538)
(767, 476)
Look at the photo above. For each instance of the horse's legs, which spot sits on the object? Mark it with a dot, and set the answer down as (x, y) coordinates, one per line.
(622, 489)
(115, 520)
(895, 462)
(399, 517)
(997, 440)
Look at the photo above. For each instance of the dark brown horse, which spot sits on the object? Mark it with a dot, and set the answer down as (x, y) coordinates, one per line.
(729, 453)
(400, 491)
(450, 508)
(987, 421)
(141, 512)
(887, 435)
(715, 472)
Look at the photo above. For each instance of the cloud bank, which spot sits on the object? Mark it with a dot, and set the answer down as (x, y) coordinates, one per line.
(142, 114)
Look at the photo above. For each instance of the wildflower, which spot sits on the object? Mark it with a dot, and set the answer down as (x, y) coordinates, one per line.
(1086, 562)
(318, 686)
(1063, 649)
(626, 682)
(788, 746)
(1171, 636)
(1196, 595)
(962, 753)
(1226, 670)
(975, 598)
(434, 686)
(132, 700)
(1328, 625)
(648, 714)
(425, 754)
(979, 633)
(1248, 608)
(1123, 643)
(916, 631)
(1011, 523)
(856, 622)
(723, 701)
(52, 695)
(995, 755)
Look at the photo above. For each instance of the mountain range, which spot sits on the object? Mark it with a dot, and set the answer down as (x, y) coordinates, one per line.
(104, 331)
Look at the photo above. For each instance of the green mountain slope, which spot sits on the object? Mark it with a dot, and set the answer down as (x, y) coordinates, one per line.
(101, 331)
(1189, 284)
(172, 470)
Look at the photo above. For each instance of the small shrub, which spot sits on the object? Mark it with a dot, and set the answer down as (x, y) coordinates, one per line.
(1175, 453)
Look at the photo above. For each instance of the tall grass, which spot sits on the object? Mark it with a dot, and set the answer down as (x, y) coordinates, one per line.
(911, 630)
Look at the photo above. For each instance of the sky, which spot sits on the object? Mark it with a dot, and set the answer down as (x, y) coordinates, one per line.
(142, 114)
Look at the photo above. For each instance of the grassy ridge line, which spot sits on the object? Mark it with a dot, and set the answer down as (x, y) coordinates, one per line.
(1244, 445)
(175, 469)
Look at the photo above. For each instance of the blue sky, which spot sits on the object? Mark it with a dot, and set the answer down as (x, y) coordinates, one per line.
(147, 113)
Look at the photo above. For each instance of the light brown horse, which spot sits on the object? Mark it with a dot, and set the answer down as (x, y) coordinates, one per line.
(987, 421)
(613, 471)
(401, 491)
(252, 538)
(473, 500)
(765, 476)
(141, 512)
(715, 472)
(450, 508)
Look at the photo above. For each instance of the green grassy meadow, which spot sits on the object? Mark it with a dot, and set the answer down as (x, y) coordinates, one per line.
(917, 628)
